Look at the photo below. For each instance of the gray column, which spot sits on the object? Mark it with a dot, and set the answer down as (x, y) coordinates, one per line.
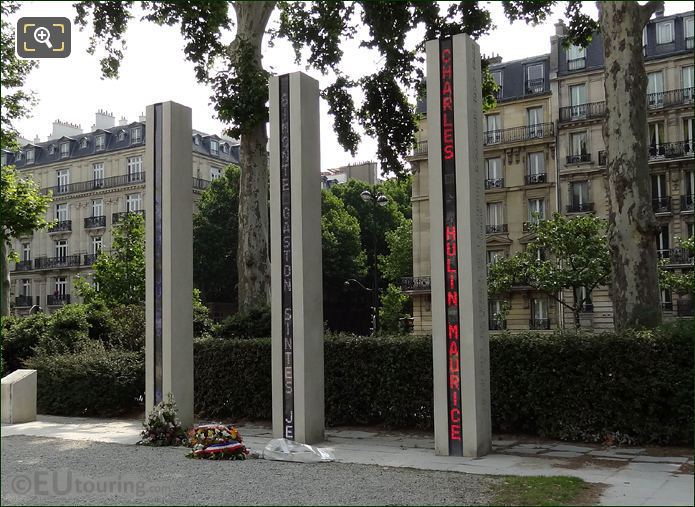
(459, 290)
(169, 257)
(296, 284)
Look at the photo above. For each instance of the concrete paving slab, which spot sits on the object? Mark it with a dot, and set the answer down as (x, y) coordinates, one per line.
(660, 459)
(572, 448)
(626, 450)
(562, 454)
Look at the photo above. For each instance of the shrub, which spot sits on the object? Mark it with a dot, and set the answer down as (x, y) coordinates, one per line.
(129, 327)
(68, 330)
(92, 382)
(162, 426)
(202, 322)
(393, 308)
(254, 324)
(20, 335)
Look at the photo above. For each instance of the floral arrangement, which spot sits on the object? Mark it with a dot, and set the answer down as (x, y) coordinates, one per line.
(216, 441)
(163, 426)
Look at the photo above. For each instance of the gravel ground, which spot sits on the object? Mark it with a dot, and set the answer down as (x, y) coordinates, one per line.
(38, 471)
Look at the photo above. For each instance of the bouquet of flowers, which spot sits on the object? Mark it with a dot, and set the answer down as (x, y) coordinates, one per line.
(216, 441)
(162, 426)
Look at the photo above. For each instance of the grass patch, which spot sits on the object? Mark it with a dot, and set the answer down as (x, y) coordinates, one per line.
(516, 490)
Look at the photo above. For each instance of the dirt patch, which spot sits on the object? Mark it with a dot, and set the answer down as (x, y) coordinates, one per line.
(686, 468)
(669, 451)
(590, 495)
(590, 461)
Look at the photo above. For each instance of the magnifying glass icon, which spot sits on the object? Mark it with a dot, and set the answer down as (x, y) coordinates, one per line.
(43, 36)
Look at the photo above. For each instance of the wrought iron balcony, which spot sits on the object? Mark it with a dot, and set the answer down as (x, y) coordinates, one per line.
(61, 226)
(117, 217)
(66, 261)
(58, 299)
(663, 253)
(420, 149)
(23, 301)
(580, 207)
(200, 184)
(416, 284)
(681, 256)
(94, 222)
(534, 86)
(661, 204)
(681, 96)
(494, 183)
(583, 111)
(579, 158)
(96, 184)
(23, 266)
(576, 63)
(667, 305)
(539, 324)
(532, 179)
(497, 325)
(678, 149)
(495, 229)
(89, 259)
(526, 226)
(684, 308)
(687, 202)
(516, 134)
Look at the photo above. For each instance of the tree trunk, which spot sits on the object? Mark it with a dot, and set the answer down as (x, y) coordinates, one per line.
(632, 225)
(253, 261)
(5, 310)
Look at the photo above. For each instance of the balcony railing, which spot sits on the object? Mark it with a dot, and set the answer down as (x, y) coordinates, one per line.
(535, 85)
(687, 202)
(419, 149)
(66, 261)
(516, 134)
(602, 158)
(57, 299)
(96, 184)
(580, 207)
(23, 266)
(494, 183)
(579, 159)
(667, 305)
(532, 179)
(61, 226)
(526, 226)
(497, 325)
(539, 324)
(684, 308)
(576, 63)
(89, 259)
(661, 204)
(680, 256)
(201, 184)
(117, 217)
(416, 284)
(23, 301)
(583, 111)
(670, 98)
(93, 222)
(495, 229)
(678, 149)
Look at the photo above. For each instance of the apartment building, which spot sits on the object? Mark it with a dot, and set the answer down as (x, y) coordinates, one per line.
(544, 152)
(361, 171)
(95, 178)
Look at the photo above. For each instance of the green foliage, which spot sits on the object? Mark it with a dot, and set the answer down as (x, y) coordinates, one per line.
(215, 237)
(682, 282)
(202, 322)
(252, 324)
(68, 331)
(400, 190)
(393, 308)
(128, 328)
(162, 426)
(540, 491)
(22, 206)
(399, 262)
(120, 274)
(20, 335)
(93, 382)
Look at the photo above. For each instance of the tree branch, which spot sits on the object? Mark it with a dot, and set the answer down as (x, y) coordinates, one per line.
(650, 8)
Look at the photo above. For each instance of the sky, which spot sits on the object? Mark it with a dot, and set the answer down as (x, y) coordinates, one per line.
(154, 70)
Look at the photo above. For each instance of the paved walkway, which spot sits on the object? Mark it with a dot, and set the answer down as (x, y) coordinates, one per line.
(635, 476)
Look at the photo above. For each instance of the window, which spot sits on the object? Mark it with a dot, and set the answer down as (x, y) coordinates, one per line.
(655, 89)
(84, 142)
(534, 78)
(100, 142)
(666, 301)
(659, 186)
(26, 251)
(19, 155)
(493, 171)
(536, 210)
(534, 116)
(496, 314)
(64, 150)
(580, 193)
(688, 29)
(539, 307)
(133, 202)
(62, 212)
(121, 135)
(134, 168)
(61, 248)
(52, 149)
(536, 167)
(664, 32)
(662, 242)
(582, 297)
(30, 156)
(135, 135)
(492, 129)
(495, 213)
(215, 172)
(26, 287)
(98, 173)
(688, 73)
(61, 286)
(97, 207)
(96, 244)
(4, 158)
(576, 57)
(214, 147)
(578, 101)
(656, 140)
(63, 180)
(494, 256)
(688, 131)
(196, 140)
(689, 229)
(225, 148)
(644, 40)
(497, 77)
(689, 182)
(578, 149)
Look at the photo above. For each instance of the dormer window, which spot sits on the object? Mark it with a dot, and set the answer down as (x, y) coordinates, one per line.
(19, 155)
(52, 149)
(225, 148)
(196, 140)
(214, 147)
(664, 32)
(100, 142)
(64, 150)
(30, 156)
(121, 135)
(135, 135)
(84, 142)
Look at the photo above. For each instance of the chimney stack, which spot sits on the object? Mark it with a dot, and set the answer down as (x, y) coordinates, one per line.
(104, 120)
(122, 121)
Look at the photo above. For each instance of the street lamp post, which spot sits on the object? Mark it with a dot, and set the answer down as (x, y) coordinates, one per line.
(377, 200)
